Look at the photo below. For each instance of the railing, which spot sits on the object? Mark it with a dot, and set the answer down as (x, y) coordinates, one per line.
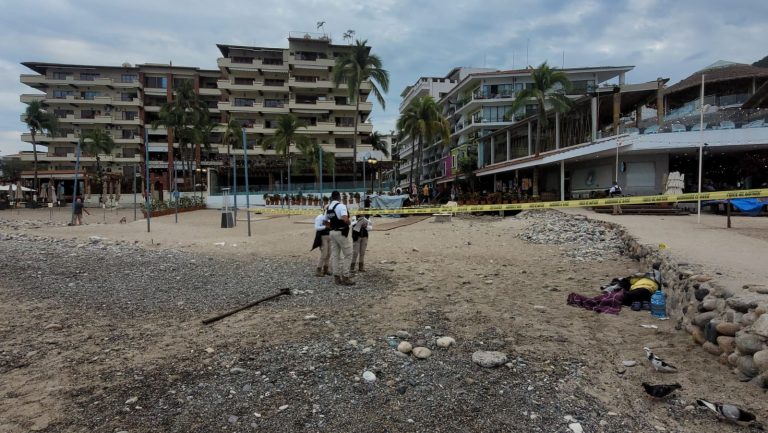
(296, 188)
(732, 118)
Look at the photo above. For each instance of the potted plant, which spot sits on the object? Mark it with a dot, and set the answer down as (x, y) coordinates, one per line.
(357, 198)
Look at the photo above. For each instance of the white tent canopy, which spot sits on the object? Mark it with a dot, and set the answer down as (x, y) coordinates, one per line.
(13, 188)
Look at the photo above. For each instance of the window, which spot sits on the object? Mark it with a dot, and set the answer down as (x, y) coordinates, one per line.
(305, 79)
(88, 76)
(272, 61)
(506, 90)
(87, 114)
(129, 78)
(129, 153)
(89, 94)
(344, 142)
(241, 60)
(309, 121)
(273, 82)
(60, 114)
(60, 76)
(61, 94)
(341, 100)
(130, 115)
(128, 133)
(156, 82)
(273, 103)
(62, 151)
(244, 102)
(345, 121)
(244, 81)
(496, 114)
(128, 96)
(179, 81)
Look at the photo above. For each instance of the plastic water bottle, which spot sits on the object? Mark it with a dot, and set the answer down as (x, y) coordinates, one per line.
(659, 304)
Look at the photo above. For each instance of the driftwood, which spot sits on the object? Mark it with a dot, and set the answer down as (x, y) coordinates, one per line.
(236, 310)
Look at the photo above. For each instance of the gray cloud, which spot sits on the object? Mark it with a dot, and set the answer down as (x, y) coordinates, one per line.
(414, 38)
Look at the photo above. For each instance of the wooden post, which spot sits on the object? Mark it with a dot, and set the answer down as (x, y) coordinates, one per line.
(728, 211)
(660, 102)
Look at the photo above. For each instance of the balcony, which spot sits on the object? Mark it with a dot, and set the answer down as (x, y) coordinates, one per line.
(207, 91)
(257, 107)
(271, 65)
(36, 80)
(311, 63)
(29, 98)
(327, 104)
(364, 107)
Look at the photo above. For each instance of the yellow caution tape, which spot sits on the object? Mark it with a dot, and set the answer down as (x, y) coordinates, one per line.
(649, 199)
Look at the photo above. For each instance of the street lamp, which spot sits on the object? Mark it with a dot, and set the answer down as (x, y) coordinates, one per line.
(372, 161)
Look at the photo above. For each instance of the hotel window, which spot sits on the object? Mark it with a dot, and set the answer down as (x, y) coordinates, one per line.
(273, 82)
(90, 94)
(88, 76)
(130, 115)
(178, 82)
(244, 102)
(87, 114)
(241, 60)
(60, 114)
(60, 76)
(129, 78)
(61, 94)
(496, 114)
(273, 103)
(128, 133)
(156, 82)
(128, 96)
(506, 90)
(244, 81)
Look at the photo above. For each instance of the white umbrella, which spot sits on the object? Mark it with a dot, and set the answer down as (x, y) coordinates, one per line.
(52, 193)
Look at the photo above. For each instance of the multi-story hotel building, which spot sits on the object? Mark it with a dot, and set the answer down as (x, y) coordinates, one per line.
(253, 84)
(477, 103)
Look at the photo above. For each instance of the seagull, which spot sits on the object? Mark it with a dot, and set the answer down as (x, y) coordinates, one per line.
(660, 391)
(658, 363)
(728, 412)
(320, 24)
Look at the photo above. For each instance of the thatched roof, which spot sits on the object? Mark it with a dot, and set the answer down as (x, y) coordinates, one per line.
(718, 72)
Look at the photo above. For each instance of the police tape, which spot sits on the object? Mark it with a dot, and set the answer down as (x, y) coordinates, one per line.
(649, 199)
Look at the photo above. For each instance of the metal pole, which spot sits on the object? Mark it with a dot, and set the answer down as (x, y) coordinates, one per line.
(364, 164)
(77, 171)
(321, 173)
(175, 190)
(289, 178)
(247, 191)
(134, 192)
(617, 162)
(234, 187)
(333, 173)
(146, 165)
(701, 149)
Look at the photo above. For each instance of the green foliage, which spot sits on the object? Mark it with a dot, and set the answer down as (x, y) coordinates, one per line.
(378, 143)
(423, 122)
(38, 120)
(184, 203)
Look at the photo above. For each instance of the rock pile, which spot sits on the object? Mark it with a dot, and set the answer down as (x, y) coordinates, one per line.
(729, 323)
(582, 239)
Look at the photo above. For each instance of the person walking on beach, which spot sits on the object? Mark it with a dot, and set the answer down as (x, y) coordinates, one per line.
(341, 250)
(322, 241)
(78, 214)
(360, 242)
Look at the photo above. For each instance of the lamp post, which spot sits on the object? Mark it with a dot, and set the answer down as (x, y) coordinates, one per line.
(373, 162)
(701, 148)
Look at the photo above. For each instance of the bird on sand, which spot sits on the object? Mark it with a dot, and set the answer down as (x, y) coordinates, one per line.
(658, 363)
(728, 412)
(660, 391)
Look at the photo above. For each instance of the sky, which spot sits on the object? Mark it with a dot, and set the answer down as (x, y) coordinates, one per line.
(414, 38)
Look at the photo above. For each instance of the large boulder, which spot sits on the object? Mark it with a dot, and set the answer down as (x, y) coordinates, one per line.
(748, 343)
(728, 329)
(760, 327)
(761, 361)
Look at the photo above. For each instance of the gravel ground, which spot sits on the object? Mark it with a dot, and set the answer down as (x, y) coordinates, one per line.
(121, 349)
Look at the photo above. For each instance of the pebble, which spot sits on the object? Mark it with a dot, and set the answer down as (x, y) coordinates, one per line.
(210, 350)
(576, 427)
(729, 329)
(236, 370)
(54, 327)
(352, 343)
(369, 376)
(489, 359)
(404, 347)
(629, 363)
(760, 360)
(310, 317)
(402, 334)
(445, 342)
(748, 344)
(703, 318)
(421, 352)
(232, 419)
(690, 408)
(760, 327)
(132, 400)
(282, 408)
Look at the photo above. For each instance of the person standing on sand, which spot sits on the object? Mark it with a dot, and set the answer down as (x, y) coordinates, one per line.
(322, 241)
(341, 250)
(78, 214)
(360, 242)
(615, 191)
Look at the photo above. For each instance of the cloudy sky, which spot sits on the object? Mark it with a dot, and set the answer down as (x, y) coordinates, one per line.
(414, 38)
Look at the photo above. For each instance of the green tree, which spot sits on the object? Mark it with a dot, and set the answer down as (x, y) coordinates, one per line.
(423, 122)
(378, 143)
(38, 121)
(233, 135)
(549, 86)
(287, 133)
(98, 141)
(355, 67)
(188, 119)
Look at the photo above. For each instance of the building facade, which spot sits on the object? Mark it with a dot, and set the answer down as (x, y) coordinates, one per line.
(254, 85)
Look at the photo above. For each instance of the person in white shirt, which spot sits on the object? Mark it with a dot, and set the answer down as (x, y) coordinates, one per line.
(360, 229)
(341, 250)
(615, 191)
(322, 241)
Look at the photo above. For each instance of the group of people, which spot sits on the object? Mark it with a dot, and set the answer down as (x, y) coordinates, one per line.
(332, 229)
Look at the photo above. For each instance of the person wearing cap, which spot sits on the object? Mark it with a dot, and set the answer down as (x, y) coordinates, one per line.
(341, 250)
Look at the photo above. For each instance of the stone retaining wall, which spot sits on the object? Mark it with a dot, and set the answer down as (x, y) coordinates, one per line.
(731, 324)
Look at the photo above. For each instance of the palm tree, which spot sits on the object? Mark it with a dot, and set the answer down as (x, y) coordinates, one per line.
(548, 88)
(354, 68)
(423, 122)
(188, 118)
(312, 153)
(98, 141)
(38, 120)
(287, 133)
(233, 134)
(378, 143)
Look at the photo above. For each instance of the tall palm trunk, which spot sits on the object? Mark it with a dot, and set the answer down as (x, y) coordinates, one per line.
(34, 153)
(354, 140)
(421, 166)
(413, 160)
(537, 151)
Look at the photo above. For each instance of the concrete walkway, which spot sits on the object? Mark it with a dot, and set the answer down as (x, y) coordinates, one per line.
(740, 253)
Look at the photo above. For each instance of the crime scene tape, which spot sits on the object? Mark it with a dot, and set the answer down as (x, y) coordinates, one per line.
(648, 199)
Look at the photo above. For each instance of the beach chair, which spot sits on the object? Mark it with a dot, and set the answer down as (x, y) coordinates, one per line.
(678, 127)
(653, 129)
(696, 126)
(727, 124)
